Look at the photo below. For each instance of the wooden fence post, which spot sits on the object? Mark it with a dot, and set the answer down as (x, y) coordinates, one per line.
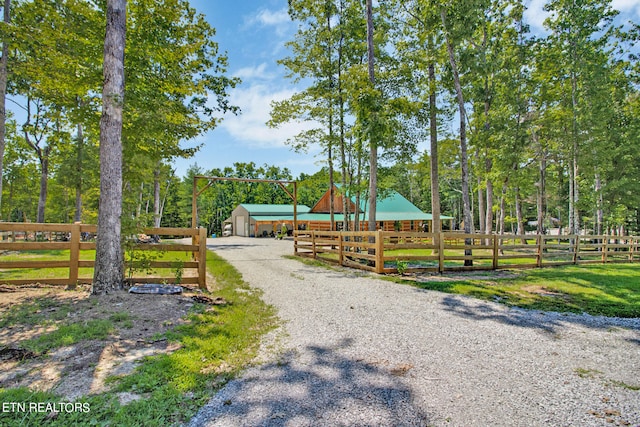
(74, 253)
(605, 239)
(576, 248)
(202, 259)
(379, 252)
(496, 246)
(340, 249)
(540, 243)
(313, 243)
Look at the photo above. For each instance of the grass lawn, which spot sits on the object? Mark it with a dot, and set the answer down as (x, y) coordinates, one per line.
(214, 346)
(597, 289)
(89, 255)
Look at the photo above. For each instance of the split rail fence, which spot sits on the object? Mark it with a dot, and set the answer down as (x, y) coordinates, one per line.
(25, 248)
(392, 252)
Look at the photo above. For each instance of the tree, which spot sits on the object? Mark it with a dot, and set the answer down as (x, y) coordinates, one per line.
(109, 263)
(3, 89)
(464, 159)
(170, 82)
(579, 34)
(373, 143)
(54, 70)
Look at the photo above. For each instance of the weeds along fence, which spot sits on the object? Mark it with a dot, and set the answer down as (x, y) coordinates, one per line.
(393, 252)
(36, 252)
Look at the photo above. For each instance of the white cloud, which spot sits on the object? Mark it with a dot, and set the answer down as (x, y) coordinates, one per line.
(629, 9)
(256, 72)
(250, 127)
(269, 18)
(278, 20)
(535, 15)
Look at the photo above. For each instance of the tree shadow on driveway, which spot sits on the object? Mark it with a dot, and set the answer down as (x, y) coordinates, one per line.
(551, 322)
(320, 386)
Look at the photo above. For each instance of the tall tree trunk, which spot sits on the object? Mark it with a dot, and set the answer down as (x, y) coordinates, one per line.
(599, 211)
(489, 215)
(519, 216)
(109, 264)
(156, 196)
(436, 227)
(140, 197)
(43, 158)
(77, 216)
(464, 158)
(44, 180)
(572, 221)
(332, 208)
(481, 208)
(576, 192)
(503, 198)
(541, 195)
(358, 180)
(3, 92)
(373, 143)
(343, 142)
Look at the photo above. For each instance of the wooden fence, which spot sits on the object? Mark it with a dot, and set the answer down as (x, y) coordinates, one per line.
(29, 240)
(391, 252)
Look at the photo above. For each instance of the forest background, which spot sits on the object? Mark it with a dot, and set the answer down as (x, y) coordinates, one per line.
(524, 129)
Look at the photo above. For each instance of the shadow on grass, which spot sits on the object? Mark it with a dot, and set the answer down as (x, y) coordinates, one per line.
(599, 290)
(321, 387)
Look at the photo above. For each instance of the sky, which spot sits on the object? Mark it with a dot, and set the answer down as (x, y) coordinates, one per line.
(254, 33)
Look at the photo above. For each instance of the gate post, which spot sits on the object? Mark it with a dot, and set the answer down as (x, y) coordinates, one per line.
(379, 252)
(74, 255)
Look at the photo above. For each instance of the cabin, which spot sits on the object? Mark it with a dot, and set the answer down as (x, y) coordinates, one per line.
(393, 213)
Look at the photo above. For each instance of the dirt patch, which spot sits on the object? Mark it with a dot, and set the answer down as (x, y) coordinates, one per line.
(81, 369)
(543, 291)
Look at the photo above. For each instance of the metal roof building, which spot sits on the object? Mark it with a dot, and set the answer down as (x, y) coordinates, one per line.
(393, 213)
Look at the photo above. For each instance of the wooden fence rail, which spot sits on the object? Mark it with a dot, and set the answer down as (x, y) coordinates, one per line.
(28, 239)
(390, 252)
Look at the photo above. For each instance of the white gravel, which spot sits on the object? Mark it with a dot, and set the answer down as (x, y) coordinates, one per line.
(357, 351)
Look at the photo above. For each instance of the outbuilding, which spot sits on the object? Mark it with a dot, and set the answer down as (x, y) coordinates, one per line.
(256, 220)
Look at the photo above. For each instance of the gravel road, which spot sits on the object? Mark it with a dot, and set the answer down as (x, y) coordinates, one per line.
(357, 351)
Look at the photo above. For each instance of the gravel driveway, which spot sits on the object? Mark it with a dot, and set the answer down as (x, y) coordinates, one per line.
(357, 351)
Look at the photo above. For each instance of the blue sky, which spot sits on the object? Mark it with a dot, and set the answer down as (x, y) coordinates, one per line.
(254, 33)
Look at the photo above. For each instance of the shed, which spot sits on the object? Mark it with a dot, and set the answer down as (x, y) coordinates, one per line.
(251, 220)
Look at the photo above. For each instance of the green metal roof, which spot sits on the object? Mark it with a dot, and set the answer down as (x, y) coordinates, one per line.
(393, 207)
(261, 210)
(382, 216)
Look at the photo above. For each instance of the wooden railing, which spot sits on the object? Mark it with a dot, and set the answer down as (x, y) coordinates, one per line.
(390, 252)
(31, 239)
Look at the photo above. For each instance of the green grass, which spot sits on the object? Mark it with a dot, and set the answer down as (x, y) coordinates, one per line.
(598, 289)
(31, 313)
(41, 274)
(215, 346)
(69, 334)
